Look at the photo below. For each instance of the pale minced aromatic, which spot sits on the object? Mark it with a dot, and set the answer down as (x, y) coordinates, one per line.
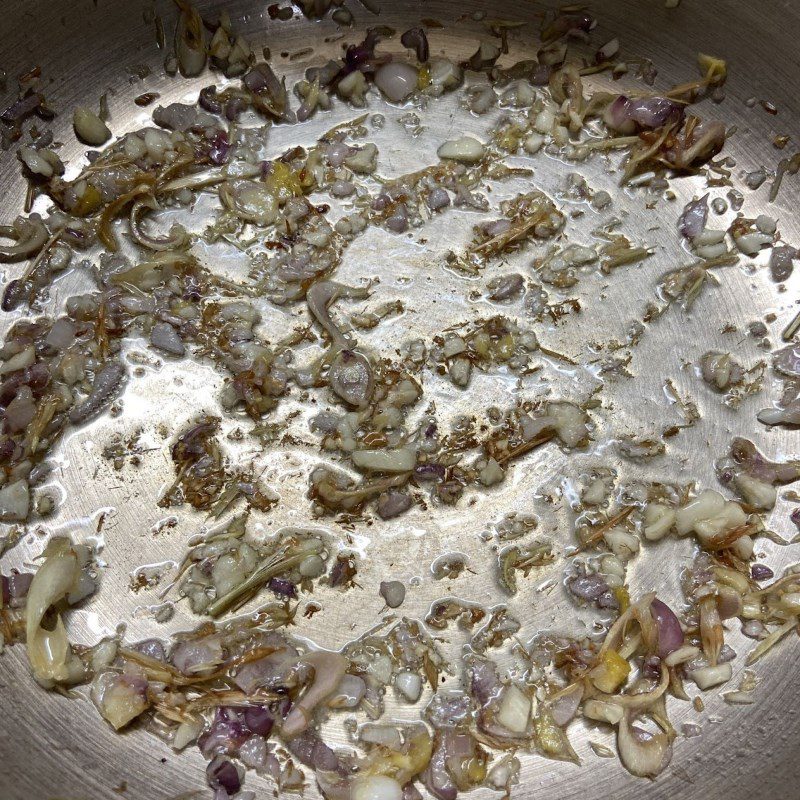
(246, 691)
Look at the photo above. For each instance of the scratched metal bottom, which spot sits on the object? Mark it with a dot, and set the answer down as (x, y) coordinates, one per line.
(52, 747)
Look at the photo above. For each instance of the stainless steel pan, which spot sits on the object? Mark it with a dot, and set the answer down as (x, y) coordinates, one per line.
(55, 747)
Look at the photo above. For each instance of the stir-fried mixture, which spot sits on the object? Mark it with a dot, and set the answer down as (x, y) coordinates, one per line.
(250, 691)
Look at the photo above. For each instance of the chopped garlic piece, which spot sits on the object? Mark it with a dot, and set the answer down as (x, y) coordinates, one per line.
(755, 492)
(658, 519)
(465, 149)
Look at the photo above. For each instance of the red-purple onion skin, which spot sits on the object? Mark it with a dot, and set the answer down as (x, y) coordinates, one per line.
(20, 411)
(616, 116)
(341, 572)
(438, 198)
(496, 227)
(310, 750)
(626, 115)
(259, 720)
(362, 56)
(507, 288)
(268, 93)
(222, 773)
(729, 603)
(416, 39)
(780, 263)
(694, 217)
(225, 735)
(256, 80)
(761, 572)
(565, 707)
(152, 648)
(758, 466)
(651, 668)
(393, 503)
(398, 220)
(234, 107)
(8, 450)
(219, 148)
(607, 600)
(37, 377)
(281, 707)
(587, 587)
(787, 361)
(282, 587)
(449, 708)
(192, 443)
(410, 792)
(15, 294)
(208, 101)
(670, 633)
(135, 682)
(187, 655)
(21, 109)
(62, 334)
(698, 144)
(726, 654)
(107, 382)
(181, 117)
(787, 413)
(654, 112)
(338, 152)
(430, 472)
(484, 684)
(264, 672)
(436, 777)
(165, 338)
(19, 583)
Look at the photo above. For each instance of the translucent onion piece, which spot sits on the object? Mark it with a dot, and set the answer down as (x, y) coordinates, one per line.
(693, 219)
(267, 93)
(119, 698)
(643, 754)
(250, 201)
(320, 296)
(403, 459)
(564, 704)
(514, 711)
(551, 739)
(89, 127)
(396, 80)
(178, 239)
(405, 763)
(376, 787)
(190, 41)
(329, 669)
(710, 629)
(30, 236)
(49, 650)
